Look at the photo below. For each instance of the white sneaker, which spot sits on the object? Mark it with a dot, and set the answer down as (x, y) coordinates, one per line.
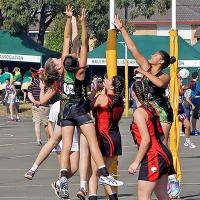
(109, 180)
(186, 144)
(190, 145)
(64, 193)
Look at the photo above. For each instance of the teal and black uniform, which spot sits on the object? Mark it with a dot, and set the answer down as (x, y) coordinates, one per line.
(160, 101)
(74, 111)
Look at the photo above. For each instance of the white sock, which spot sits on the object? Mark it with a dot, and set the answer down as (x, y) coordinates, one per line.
(83, 184)
(34, 167)
(187, 140)
(102, 166)
(172, 177)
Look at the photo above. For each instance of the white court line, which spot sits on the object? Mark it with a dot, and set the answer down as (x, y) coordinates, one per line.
(7, 134)
(75, 184)
(22, 156)
(5, 145)
(55, 169)
(8, 138)
(50, 197)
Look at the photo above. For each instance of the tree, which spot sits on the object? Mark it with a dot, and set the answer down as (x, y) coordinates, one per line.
(98, 17)
(20, 14)
(98, 22)
(144, 7)
(55, 38)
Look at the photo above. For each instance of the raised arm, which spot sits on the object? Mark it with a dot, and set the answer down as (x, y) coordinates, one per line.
(140, 59)
(84, 46)
(161, 81)
(75, 40)
(67, 32)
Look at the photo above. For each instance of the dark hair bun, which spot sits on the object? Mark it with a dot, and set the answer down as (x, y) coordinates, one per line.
(172, 59)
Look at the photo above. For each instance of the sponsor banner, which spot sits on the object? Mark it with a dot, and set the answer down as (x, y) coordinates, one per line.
(132, 62)
(102, 61)
(20, 58)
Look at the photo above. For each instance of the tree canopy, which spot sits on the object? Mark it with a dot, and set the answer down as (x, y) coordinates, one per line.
(18, 15)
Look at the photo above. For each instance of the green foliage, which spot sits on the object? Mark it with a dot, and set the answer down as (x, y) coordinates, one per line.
(98, 22)
(20, 14)
(98, 16)
(145, 7)
(55, 38)
(17, 14)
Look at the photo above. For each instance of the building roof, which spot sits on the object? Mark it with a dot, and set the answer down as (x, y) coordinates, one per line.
(188, 12)
(188, 56)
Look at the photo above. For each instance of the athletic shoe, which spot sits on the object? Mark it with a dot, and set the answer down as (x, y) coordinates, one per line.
(182, 133)
(82, 193)
(174, 189)
(109, 180)
(11, 119)
(29, 174)
(56, 188)
(194, 132)
(64, 193)
(39, 143)
(18, 119)
(189, 144)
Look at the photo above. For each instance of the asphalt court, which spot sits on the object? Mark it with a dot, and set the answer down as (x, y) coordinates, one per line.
(18, 150)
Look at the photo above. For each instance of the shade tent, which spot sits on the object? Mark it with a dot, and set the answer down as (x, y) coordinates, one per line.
(197, 46)
(147, 45)
(22, 48)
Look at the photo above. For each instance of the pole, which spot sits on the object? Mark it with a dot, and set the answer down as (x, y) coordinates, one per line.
(111, 65)
(111, 49)
(126, 82)
(112, 14)
(174, 14)
(174, 94)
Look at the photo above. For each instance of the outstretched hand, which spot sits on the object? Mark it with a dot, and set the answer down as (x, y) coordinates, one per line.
(69, 11)
(118, 22)
(84, 15)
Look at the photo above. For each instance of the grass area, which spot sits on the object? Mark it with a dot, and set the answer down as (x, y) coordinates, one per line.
(25, 109)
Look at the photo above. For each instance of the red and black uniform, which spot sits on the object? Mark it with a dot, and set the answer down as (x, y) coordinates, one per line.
(158, 159)
(107, 127)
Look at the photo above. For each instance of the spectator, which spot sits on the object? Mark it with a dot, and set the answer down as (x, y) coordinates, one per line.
(183, 117)
(18, 76)
(195, 99)
(1, 83)
(40, 112)
(27, 79)
(17, 80)
(5, 76)
(11, 99)
(187, 104)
